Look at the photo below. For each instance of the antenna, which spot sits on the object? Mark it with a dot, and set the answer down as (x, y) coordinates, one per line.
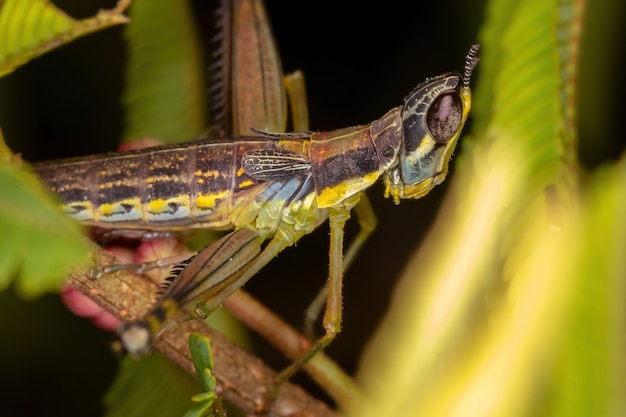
(471, 59)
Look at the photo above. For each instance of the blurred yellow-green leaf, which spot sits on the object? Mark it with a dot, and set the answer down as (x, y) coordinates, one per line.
(6, 155)
(29, 28)
(514, 304)
(590, 371)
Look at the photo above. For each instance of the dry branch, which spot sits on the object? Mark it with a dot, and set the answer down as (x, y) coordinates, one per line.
(243, 378)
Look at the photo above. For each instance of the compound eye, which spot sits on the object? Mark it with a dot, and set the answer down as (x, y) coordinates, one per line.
(444, 117)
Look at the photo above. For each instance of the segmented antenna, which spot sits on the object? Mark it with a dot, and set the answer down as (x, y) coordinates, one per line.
(471, 59)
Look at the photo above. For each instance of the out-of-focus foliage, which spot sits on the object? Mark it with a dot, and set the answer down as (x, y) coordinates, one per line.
(514, 304)
(29, 28)
(150, 386)
(200, 348)
(30, 223)
(165, 90)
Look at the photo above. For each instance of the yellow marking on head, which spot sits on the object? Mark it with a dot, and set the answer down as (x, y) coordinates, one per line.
(207, 201)
(240, 172)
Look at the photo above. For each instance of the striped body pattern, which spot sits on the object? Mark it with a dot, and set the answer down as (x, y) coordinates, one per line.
(270, 182)
(258, 182)
(193, 185)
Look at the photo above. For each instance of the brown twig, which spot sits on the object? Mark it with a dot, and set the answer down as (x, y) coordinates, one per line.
(243, 379)
(323, 370)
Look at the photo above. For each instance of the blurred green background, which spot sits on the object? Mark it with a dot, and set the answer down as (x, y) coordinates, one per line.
(360, 61)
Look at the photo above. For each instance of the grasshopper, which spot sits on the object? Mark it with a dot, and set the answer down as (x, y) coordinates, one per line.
(270, 188)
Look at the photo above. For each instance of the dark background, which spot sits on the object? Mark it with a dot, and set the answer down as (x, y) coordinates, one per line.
(360, 60)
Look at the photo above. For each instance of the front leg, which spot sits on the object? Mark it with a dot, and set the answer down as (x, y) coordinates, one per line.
(367, 222)
(332, 316)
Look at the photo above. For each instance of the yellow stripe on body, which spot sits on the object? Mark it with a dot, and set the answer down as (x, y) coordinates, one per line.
(330, 196)
(209, 201)
(165, 209)
(119, 211)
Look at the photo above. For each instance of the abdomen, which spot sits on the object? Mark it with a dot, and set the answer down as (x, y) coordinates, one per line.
(163, 188)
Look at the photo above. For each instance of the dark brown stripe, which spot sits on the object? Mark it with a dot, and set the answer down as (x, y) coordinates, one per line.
(167, 174)
(342, 155)
(213, 168)
(117, 193)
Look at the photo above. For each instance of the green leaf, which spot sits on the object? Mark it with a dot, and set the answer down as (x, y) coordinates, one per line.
(515, 297)
(29, 28)
(591, 367)
(209, 382)
(150, 386)
(200, 348)
(520, 86)
(6, 156)
(165, 93)
(38, 243)
(205, 396)
(200, 409)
